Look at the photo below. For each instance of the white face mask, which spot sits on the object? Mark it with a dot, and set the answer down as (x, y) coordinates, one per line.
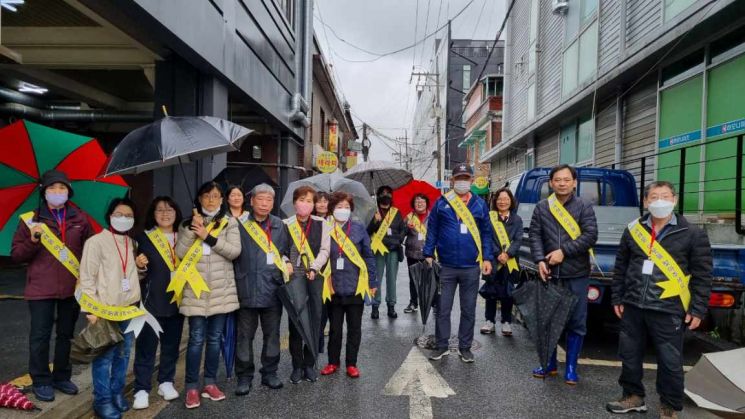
(342, 214)
(122, 224)
(210, 213)
(462, 186)
(55, 199)
(661, 208)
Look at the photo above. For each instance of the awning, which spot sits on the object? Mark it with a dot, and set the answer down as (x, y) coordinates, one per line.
(476, 135)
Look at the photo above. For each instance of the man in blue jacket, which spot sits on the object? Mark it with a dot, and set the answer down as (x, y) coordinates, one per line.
(460, 231)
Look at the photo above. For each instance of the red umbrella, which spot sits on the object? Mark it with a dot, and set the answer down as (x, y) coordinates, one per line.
(12, 398)
(402, 196)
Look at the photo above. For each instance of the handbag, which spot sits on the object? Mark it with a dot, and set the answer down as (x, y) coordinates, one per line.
(94, 340)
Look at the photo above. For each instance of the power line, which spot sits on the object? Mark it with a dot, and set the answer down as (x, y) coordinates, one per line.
(476, 26)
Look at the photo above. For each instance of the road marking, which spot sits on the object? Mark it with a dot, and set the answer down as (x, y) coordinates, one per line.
(561, 356)
(418, 379)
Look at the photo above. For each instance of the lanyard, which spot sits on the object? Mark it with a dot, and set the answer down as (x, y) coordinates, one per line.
(172, 248)
(268, 232)
(305, 236)
(341, 242)
(61, 224)
(651, 242)
(123, 259)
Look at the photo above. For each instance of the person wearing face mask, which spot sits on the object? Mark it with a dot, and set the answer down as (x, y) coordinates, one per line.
(158, 243)
(564, 257)
(309, 253)
(262, 266)
(657, 303)
(109, 274)
(416, 232)
(460, 232)
(387, 231)
(50, 287)
(352, 280)
(237, 203)
(211, 241)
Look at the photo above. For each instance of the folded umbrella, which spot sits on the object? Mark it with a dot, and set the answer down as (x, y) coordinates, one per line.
(374, 174)
(228, 344)
(717, 382)
(426, 279)
(94, 340)
(545, 308)
(294, 297)
(12, 398)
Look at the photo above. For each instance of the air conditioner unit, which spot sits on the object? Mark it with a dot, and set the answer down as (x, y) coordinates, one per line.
(559, 7)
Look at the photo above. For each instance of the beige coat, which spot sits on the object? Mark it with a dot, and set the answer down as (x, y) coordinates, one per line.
(216, 269)
(101, 271)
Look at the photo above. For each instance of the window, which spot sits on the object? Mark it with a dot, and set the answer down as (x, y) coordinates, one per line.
(287, 7)
(683, 68)
(576, 142)
(531, 102)
(570, 68)
(580, 61)
(493, 87)
(674, 7)
(529, 161)
(584, 140)
(466, 76)
(590, 191)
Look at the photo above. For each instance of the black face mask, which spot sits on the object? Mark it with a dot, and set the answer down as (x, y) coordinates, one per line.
(385, 200)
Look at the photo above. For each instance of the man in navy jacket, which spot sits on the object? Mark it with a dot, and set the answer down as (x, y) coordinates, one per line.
(458, 253)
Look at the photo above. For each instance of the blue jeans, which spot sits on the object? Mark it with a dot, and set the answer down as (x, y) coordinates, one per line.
(577, 322)
(389, 264)
(109, 369)
(203, 329)
(450, 278)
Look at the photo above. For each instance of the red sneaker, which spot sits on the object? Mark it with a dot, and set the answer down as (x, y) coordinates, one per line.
(213, 393)
(329, 369)
(353, 371)
(192, 399)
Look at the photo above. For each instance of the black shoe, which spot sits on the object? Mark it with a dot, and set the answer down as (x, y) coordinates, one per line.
(44, 393)
(465, 355)
(243, 387)
(120, 402)
(411, 308)
(107, 411)
(392, 312)
(271, 381)
(67, 387)
(296, 376)
(311, 374)
(375, 313)
(438, 354)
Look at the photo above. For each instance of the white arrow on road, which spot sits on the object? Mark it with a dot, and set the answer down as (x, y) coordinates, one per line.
(419, 380)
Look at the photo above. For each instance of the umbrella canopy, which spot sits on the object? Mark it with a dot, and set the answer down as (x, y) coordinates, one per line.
(717, 381)
(245, 177)
(174, 140)
(228, 344)
(36, 149)
(426, 279)
(321, 182)
(374, 174)
(12, 398)
(402, 196)
(546, 308)
(294, 297)
(364, 206)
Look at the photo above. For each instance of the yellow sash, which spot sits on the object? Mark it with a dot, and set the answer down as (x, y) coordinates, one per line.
(296, 232)
(187, 269)
(461, 210)
(349, 249)
(677, 283)
(256, 233)
(419, 226)
(377, 239)
(160, 242)
(55, 246)
(504, 239)
(566, 221)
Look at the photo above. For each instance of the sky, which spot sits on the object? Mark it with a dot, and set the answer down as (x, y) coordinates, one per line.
(380, 92)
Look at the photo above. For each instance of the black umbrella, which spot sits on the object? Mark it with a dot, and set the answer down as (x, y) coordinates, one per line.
(545, 308)
(425, 279)
(295, 298)
(245, 177)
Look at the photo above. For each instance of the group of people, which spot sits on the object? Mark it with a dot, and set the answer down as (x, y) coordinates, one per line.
(226, 260)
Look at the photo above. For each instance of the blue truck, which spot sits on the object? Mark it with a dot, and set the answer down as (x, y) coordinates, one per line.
(616, 199)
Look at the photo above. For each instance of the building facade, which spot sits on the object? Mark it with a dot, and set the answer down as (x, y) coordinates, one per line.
(482, 118)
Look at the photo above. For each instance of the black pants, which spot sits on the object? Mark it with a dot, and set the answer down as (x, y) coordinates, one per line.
(666, 333)
(145, 348)
(42, 319)
(490, 311)
(339, 308)
(301, 354)
(247, 322)
(413, 299)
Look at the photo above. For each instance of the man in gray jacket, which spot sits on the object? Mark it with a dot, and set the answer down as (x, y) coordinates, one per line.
(563, 230)
(257, 277)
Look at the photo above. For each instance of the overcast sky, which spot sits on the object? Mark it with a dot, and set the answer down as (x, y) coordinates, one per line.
(379, 92)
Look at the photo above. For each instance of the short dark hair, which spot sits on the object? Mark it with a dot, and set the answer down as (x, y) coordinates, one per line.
(561, 167)
(383, 189)
(513, 201)
(115, 203)
(150, 216)
(302, 191)
(338, 197)
(321, 195)
(419, 195)
(659, 184)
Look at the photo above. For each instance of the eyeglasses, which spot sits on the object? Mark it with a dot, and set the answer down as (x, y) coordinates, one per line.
(212, 197)
(165, 211)
(119, 214)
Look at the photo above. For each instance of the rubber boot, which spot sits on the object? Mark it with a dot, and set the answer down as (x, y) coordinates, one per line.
(574, 347)
(551, 370)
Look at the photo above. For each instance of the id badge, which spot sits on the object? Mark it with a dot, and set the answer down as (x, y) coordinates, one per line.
(463, 229)
(206, 249)
(390, 232)
(63, 255)
(299, 261)
(125, 284)
(420, 237)
(339, 264)
(173, 273)
(647, 267)
(270, 258)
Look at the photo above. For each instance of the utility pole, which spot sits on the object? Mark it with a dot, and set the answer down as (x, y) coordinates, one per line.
(406, 145)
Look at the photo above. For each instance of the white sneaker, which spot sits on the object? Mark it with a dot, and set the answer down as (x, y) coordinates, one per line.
(167, 391)
(142, 400)
(506, 329)
(488, 328)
